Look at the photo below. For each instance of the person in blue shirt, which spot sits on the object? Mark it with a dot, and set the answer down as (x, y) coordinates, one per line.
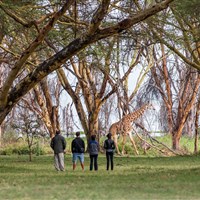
(93, 148)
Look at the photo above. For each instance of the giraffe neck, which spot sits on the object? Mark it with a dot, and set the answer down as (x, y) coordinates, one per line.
(135, 115)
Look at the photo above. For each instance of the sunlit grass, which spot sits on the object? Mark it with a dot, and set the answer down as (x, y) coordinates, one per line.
(132, 178)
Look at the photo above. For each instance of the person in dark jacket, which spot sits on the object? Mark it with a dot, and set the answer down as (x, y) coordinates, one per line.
(58, 144)
(93, 148)
(109, 146)
(78, 149)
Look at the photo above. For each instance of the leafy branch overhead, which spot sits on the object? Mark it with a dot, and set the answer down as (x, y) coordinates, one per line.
(12, 91)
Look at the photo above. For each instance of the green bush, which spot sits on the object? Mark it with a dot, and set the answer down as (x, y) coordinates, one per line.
(21, 148)
(10, 136)
(7, 151)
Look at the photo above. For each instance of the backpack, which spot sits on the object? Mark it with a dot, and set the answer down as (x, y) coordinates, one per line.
(93, 148)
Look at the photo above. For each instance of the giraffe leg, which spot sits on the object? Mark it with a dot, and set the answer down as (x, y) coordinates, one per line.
(123, 143)
(133, 143)
(116, 144)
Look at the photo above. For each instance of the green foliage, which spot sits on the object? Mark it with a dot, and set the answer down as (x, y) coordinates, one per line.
(38, 149)
(186, 143)
(10, 136)
(190, 8)
(21, 148)
(14, 149)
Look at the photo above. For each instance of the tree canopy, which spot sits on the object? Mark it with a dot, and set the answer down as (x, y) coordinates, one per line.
(31, 30)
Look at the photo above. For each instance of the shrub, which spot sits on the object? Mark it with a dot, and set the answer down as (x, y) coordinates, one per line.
(7, 151)
(21, 148)
(10, 136)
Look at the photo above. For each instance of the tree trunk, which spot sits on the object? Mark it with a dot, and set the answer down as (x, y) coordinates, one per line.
(196, 140)
(196, 128)
(0, 136)
(175, 141)
(49, 126)
(93, 124)
(54, 119)
(30, 153)
(176, 135)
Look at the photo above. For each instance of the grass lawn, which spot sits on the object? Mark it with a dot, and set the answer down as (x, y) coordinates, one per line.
(132, 178)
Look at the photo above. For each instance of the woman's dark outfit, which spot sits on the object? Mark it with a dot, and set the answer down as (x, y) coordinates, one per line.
(109, 146)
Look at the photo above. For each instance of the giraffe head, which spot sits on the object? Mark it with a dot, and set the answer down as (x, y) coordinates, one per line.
(146, 106)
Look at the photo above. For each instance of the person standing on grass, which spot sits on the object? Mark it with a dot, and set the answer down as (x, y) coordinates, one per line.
(109, 146)
(78, 149)
(93, 148)
(58, 144)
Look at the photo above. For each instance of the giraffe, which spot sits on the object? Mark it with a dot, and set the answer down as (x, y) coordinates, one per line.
(124, 127)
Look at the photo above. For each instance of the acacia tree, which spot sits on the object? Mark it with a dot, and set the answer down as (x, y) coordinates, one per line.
(180, 34)
(128, 99)
(32, 32)
(28, 124)
(90, 91)
(44, 100)
(189, 90)
(179, 95)
(97, 77)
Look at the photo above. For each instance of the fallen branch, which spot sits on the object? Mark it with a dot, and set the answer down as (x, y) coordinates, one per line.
(153, 146)
(147, 132)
